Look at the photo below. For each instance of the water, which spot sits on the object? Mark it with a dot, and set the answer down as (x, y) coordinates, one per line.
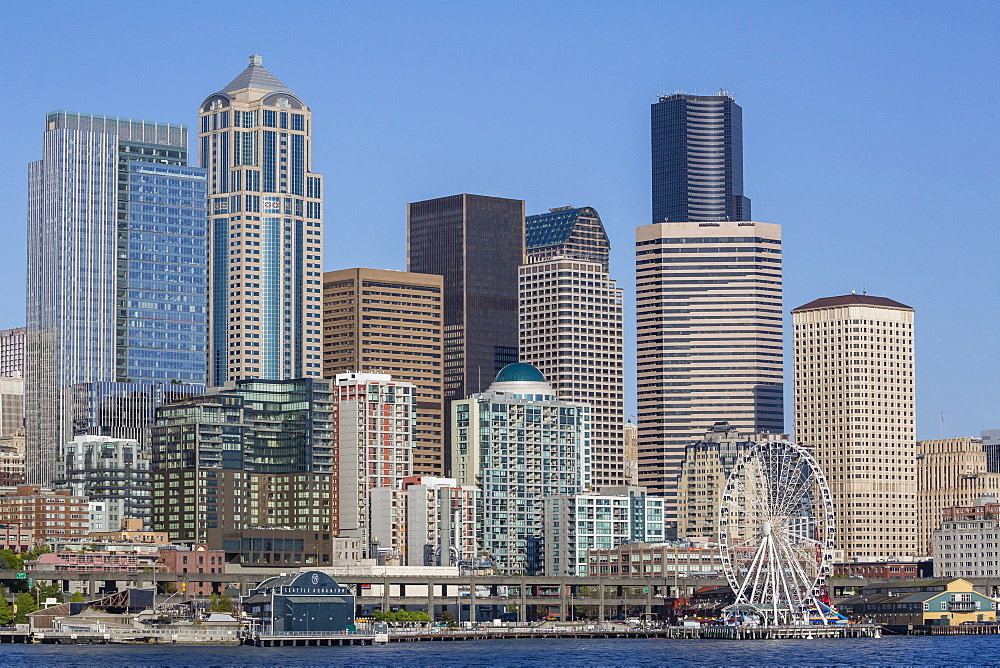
(888, 651)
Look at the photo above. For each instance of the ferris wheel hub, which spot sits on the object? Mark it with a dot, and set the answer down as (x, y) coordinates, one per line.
(765, 529)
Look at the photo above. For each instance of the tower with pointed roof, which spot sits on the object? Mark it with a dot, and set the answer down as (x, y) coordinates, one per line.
(266, 225)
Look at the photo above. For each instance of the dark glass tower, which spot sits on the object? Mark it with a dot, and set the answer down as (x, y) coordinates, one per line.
(697, 143)
(477, 244)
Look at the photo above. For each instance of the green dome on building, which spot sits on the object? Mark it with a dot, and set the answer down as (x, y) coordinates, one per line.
(519, 372)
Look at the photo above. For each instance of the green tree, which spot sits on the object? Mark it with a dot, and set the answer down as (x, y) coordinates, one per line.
(220, 604)
(36, 552)
(6, 612)
(50, 590)
(448, 618)
(10, 561)
(77, 597)
(25, 603)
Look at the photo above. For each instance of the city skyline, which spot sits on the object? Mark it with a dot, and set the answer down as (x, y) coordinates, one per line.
(874, 182)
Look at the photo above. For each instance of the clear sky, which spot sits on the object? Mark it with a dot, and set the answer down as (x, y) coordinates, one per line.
(870, 130)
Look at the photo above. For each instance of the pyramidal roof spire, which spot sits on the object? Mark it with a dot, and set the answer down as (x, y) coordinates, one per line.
(256, 76)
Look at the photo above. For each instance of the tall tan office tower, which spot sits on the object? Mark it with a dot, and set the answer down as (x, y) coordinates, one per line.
(391, 322)
(571, 326)
(708, 309)
(266, 230)
(854, 409)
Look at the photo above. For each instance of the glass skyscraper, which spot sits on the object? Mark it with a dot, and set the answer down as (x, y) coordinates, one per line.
(267, 230)
(697, 143)
(117, 269)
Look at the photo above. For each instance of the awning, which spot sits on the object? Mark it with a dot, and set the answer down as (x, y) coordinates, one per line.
(332, 600)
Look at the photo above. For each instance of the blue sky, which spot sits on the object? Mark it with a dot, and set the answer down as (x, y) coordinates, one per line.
(870, 130)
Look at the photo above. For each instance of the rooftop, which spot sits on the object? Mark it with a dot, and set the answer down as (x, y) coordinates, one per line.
(256, 76)
(519, 372)
(852, 300)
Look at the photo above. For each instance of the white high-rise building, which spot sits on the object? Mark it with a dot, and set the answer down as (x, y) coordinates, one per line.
(430, 522)
(573, 524)
(519, 443)
(374, 431)
(854, 409)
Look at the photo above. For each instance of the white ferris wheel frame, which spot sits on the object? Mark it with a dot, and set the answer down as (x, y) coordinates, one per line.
(777, 576)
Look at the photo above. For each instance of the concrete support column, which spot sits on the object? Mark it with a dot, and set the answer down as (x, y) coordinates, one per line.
(472, 599)
(600, 602)
(430, 600)
(563, 605)
(385, 593)
(522, 604)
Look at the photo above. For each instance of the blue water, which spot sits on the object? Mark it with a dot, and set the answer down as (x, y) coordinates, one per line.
(888, 651)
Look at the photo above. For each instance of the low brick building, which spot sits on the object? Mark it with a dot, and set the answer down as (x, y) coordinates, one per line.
(182, 559)
(46, 513)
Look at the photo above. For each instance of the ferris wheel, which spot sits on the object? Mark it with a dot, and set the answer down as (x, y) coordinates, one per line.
(776, 528)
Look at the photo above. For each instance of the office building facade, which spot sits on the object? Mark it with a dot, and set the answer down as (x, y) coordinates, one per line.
(518, 443)
(571, 325)
(266, 222)
(391, 322)
(569, 232)
(477, 244)
(991, 446)
(117, 268)
(704, 472)
(951, 472)
(697, 151)
(12, 342)
(709, 332)
(572, 331)
(854, 410)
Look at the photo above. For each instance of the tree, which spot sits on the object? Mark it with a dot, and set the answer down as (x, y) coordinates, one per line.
(50, 590)
(220, 604)
(6, 612)
(77, 597)
(448, 618)
(10, 561)
(25, 603)
(36, 552)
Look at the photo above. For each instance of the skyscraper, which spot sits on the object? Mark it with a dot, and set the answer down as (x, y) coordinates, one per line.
(477, 244)
(698, 159)
(12, 352)
(374, 420)
(117, 277)
(576, 233)
(380, 321)
(519, 444)
(571, 325)
(709, 329)
(266, 228)
(854, 409)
